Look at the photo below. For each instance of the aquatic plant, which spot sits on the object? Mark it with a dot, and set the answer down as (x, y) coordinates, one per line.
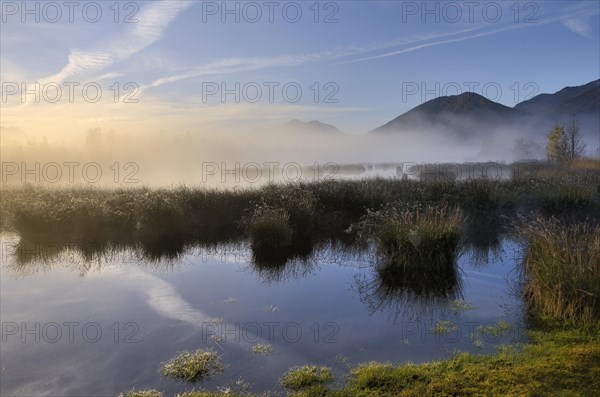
(298, 378)
(193, 366)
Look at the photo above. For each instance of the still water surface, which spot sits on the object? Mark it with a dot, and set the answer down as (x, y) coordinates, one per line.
(100, 327)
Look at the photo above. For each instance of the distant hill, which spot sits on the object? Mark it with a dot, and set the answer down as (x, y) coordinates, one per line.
(582, 101)
(314, 126)
(569, 100)
(470, 114)
(462, 114)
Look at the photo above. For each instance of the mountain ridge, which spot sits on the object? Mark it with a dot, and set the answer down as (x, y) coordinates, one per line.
(469, 113)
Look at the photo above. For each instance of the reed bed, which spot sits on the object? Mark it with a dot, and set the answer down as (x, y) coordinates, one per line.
(561, 269)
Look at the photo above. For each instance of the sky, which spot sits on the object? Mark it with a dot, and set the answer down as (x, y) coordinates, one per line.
(213, 66)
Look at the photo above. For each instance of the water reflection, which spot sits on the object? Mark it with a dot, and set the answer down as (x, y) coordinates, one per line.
(383, 285)
(176, 299)
(482, 235)
(409, 291)
(281, 263)
(24, 257)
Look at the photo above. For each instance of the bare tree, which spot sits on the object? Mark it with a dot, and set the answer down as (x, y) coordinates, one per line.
(565, 144)
(575, 144)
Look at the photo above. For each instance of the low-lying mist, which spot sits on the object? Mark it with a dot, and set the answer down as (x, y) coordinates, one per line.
(243, 158)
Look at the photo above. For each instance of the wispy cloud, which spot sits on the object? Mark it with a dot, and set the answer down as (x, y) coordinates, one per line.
(236, 65)
(152, 22)
(579, 26)
(573, 21)
(232, 65)
(413, 43)
(435, 43)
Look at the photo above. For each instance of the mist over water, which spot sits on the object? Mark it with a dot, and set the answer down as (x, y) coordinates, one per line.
(237, 158)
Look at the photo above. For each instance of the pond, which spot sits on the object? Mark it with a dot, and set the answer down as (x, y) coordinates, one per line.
(73, 326)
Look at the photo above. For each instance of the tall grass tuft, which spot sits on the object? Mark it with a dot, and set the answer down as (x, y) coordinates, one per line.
(299, 203)
(417, 236)
(562, 269)
(269, 228)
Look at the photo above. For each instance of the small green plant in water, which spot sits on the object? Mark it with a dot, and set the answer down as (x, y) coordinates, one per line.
(263, 349)
(496, 330)
(193, 366)
(445, 327)
(298, 378)
(459, 306)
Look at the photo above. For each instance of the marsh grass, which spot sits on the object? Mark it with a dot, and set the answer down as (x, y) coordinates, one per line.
(306, 376)
(556, 363)
(135, 214)
(480, 195)
(299, 202)
(561, 269)
(415, 236)
(385, 378)
(585, 164)
(269, 229)
(192, 367)
(281, 227)
(166, 222)
(558, 360)
(415, 268)
(569, 200)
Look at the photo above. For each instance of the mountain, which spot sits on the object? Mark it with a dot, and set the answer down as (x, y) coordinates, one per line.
(583, 102)
(314, 126)
(463, 114)
(470, 114)
(569, 100)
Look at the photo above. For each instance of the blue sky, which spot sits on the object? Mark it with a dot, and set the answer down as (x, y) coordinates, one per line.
(370, 53)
